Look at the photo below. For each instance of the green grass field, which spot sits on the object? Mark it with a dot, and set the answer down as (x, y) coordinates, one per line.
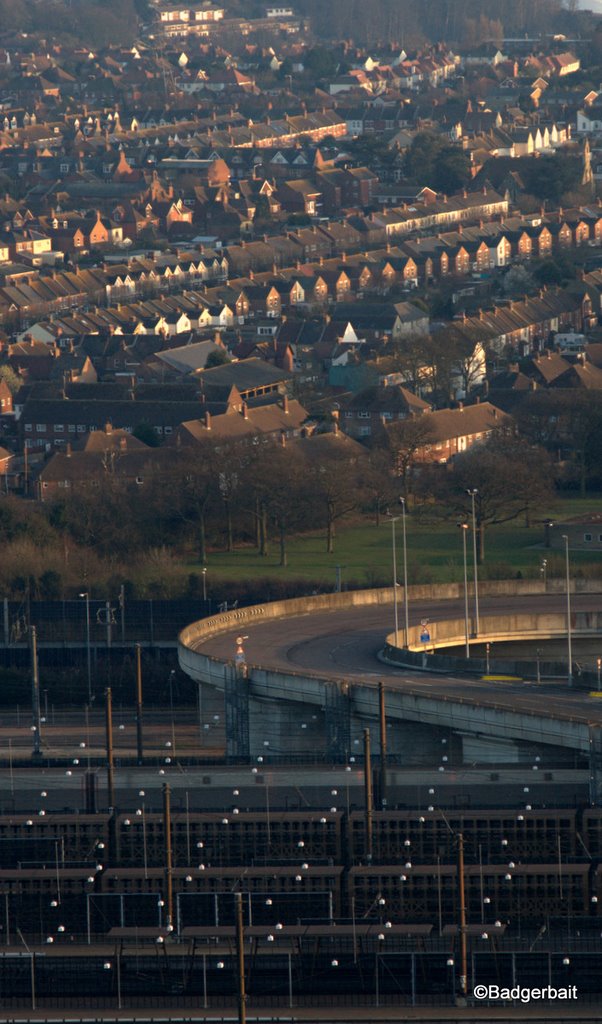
(363, 552)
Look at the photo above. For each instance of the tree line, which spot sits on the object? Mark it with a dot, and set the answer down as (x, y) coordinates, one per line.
(455, 21)
(230, 496)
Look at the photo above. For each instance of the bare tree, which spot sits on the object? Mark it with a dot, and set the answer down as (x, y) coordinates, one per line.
(334, 465)
(404, 439)
(510, 476)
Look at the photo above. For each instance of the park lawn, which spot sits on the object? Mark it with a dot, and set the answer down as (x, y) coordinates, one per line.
(363, 552)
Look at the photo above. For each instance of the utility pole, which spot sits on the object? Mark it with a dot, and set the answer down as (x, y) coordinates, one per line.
(109, 733)
(462, 893)
(368, 792)
(168, 861)
(383, 745)
(35, 696)
(139, 743)
(240, 956)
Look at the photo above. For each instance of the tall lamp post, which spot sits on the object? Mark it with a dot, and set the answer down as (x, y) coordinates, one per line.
(35, 697)
(86, 595)
(405, 572)
(394, 552)
(473, 493)
(569, 637)
(394, 519)
(464, 528)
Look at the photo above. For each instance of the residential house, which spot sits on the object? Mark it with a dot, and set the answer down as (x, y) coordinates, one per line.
(280, 419)
(299, 196)
(374, 406)
(453, 431)
(409, 320)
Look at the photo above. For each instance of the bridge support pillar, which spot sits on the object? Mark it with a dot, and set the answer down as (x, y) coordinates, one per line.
(236, 699)
(595, 765)
(337, 720)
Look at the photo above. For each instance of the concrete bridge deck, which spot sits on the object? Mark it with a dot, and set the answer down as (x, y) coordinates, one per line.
(296, 649)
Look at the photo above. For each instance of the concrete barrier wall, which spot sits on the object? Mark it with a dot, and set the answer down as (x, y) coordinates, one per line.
(199, 631)
(496, 628)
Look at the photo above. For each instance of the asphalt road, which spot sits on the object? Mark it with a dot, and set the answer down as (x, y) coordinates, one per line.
(345, 644)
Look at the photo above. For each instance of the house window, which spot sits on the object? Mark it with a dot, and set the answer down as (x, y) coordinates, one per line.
(58, 428)
(363, 415)
(587, 537)
(81, 428)
(28, 428)
(139, 480)
(71, 428)
(41, 428)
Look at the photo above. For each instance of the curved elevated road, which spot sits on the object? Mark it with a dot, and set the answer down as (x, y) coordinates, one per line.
(344, 644)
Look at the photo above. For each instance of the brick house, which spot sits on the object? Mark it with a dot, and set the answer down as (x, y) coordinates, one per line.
(454, 431)
(379, 405)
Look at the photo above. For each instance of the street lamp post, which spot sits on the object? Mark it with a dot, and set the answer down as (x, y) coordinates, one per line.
(395, 607)
(139, 735)
(35, 697)
(473, 493)
(204, 575)
(405, 573)
(569, 637)
(86, 595)
(464, 529)
(109, 966)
